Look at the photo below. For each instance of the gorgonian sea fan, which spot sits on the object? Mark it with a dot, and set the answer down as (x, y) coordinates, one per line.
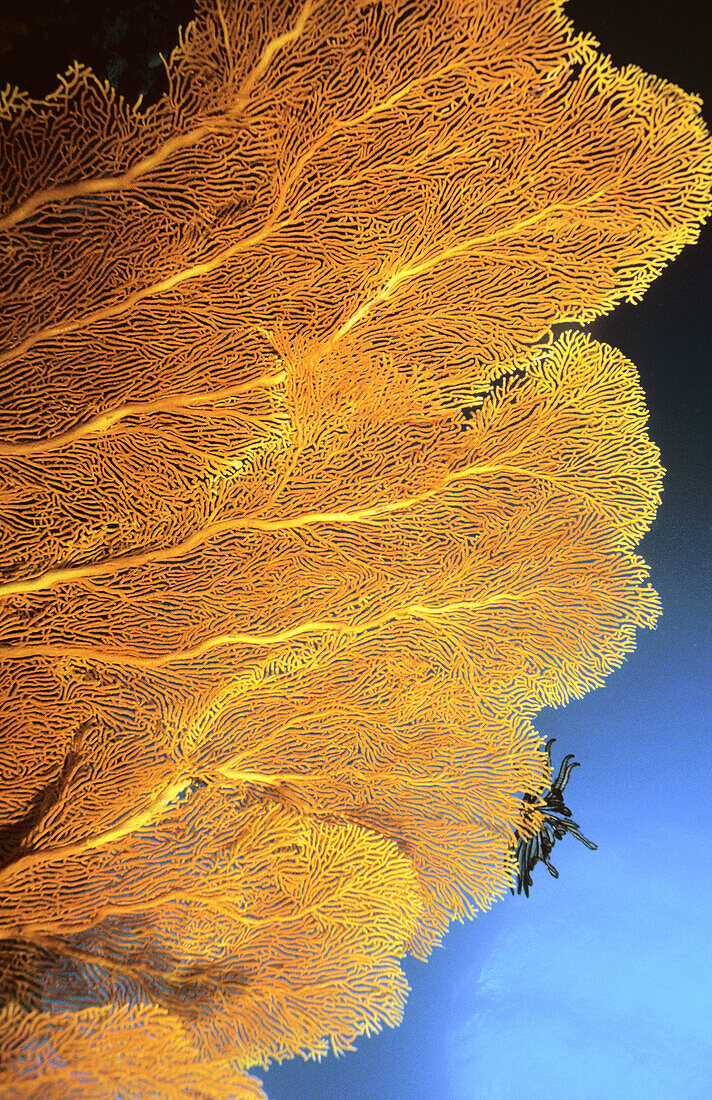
(306, 514)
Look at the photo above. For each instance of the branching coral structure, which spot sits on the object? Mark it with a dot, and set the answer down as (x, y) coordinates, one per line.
(306, 512)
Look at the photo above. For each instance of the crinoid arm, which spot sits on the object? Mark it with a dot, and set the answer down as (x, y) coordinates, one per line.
(551, 819)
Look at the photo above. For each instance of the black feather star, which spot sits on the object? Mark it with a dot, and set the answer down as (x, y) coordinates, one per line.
(532, 849)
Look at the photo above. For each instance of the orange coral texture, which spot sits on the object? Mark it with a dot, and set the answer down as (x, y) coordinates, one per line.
(277, 612)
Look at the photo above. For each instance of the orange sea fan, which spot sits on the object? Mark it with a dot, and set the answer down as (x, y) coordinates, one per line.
(232, 916)
(135, 1052)
(305, 513)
